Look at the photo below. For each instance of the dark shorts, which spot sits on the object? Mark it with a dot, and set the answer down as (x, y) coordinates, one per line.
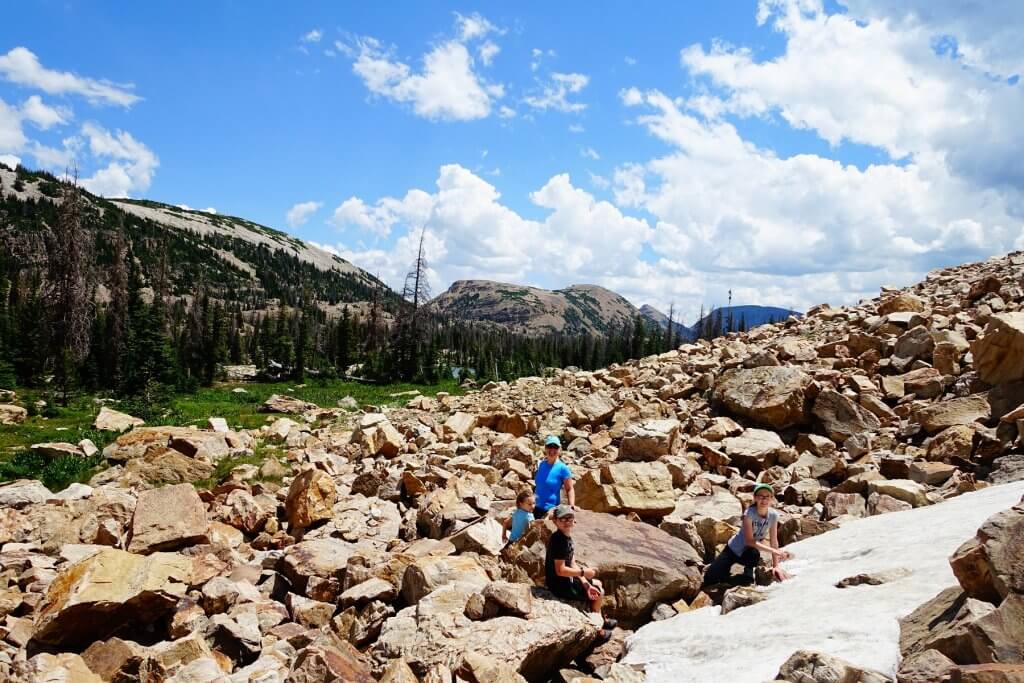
(574, 592)
(540, 514)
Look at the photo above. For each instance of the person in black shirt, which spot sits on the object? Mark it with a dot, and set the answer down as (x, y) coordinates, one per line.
(564, 577)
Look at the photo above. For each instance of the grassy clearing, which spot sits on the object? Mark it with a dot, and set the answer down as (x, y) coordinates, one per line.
(241, 410)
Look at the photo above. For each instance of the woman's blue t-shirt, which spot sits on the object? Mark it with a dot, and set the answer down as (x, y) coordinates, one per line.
(549, 480)
(520, 520)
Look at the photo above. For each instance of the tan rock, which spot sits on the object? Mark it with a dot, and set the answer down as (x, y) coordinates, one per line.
(109, 420)
(22, 492)
(322, 557)
(999, 635)
(990, 566)
(311, 498)
(483, 537)
(65, 667)
(323, 663)
(12, 414)
(902, 302)
(194, 443)
(378, 436)
(459, 425)
(930, 666)
(931, 473)
(427, 574)
(594, 409)
(435, 633)
(842, 418)
(837, 504)
(988, 673)
(807, 666)
(168, 518)
(479, 668)
(936, 417)
(281, 403)
(754, 449)
(901, 489)
(773, 396)
(999, 352)
(641, 487)
(397, 671)
(953, 442)
(107, 591)
(650, 440)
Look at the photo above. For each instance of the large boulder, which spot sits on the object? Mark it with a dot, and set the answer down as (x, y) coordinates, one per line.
(22, 492)
(111, 590)
(326, 663)
(935, 417)
(280, 403)
(999, 352)
(641, 487)
(594, 409)
(12, 414)
(162, 465)
(650, 440)
(427, 574)
(639, 565)
(901, 489)
(109, 420)
(436, 633)
(194, 443)
(168, 518)
(841, 418)
(325, 558)
(754, 449)
(311, 498)
(991, 565)
(773, 396)
(378, 436)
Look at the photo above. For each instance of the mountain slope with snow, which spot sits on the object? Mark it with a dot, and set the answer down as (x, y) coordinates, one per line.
(808, 612)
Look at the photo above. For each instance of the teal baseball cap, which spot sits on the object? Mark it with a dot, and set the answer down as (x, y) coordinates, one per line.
(552, 440)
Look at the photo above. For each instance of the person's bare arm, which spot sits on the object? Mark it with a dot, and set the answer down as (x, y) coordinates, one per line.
(570, 491)
(573, 571)
(772, 548)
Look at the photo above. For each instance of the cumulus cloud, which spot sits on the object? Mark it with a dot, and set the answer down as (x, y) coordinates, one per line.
(300, 213)
(20, 65)
(590, 153)
(42, 115)
(473, 234)
(554, 94)
(12, 137)
(131, 164)
(447, 87)
(10, 160)
(313, 36)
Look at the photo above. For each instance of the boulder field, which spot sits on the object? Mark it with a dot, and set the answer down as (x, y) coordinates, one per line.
(367, 545)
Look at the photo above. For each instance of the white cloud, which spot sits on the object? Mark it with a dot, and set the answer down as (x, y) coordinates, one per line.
(473, 27)
(313, 36)
(555, 93)
(987, 33)
(576, 128)
(208, 209)
(131, 167)
(538, 56)
(590, 153)
(42, 115)
(21, 66)
(300, 213)
(795, 231)
(12, 137)
(599, 181)
(474, 235)
(447, 88)
(631, 97)
(630, 61)
(506, 112)
(488, 51)
(10, 160)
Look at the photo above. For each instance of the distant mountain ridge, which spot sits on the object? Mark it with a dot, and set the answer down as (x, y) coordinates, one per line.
(578, 309)
(239, 260)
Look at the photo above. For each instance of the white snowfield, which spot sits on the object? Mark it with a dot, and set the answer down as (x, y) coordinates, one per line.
(808, 612)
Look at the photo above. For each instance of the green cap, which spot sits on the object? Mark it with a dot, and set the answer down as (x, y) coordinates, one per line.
(758, 487)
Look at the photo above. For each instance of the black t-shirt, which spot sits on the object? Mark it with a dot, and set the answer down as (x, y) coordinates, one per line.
(560, 547)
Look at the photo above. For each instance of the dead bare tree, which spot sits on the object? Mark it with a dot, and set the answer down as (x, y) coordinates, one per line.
(69, 291)
(408, 342)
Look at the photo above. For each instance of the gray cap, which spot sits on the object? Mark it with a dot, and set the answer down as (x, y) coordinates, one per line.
(564, 511)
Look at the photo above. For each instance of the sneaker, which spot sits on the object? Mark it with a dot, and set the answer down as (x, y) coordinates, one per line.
(603, 636)
(610, 624)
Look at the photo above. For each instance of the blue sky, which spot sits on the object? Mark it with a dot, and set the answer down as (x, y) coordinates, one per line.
(669, 151)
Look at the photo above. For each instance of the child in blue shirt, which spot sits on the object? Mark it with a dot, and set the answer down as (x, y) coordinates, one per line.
(516, 525)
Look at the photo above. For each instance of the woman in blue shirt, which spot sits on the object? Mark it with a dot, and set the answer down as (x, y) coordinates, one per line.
(553, 476)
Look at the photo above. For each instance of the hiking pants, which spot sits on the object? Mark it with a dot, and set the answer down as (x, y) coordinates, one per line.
(718, 571)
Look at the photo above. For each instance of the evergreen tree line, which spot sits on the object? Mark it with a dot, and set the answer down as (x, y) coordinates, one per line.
(86, 303)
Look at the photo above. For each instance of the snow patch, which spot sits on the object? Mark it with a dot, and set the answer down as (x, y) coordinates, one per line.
(858, 624)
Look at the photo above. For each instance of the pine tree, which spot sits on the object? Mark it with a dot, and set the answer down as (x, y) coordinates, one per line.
(68, 289)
